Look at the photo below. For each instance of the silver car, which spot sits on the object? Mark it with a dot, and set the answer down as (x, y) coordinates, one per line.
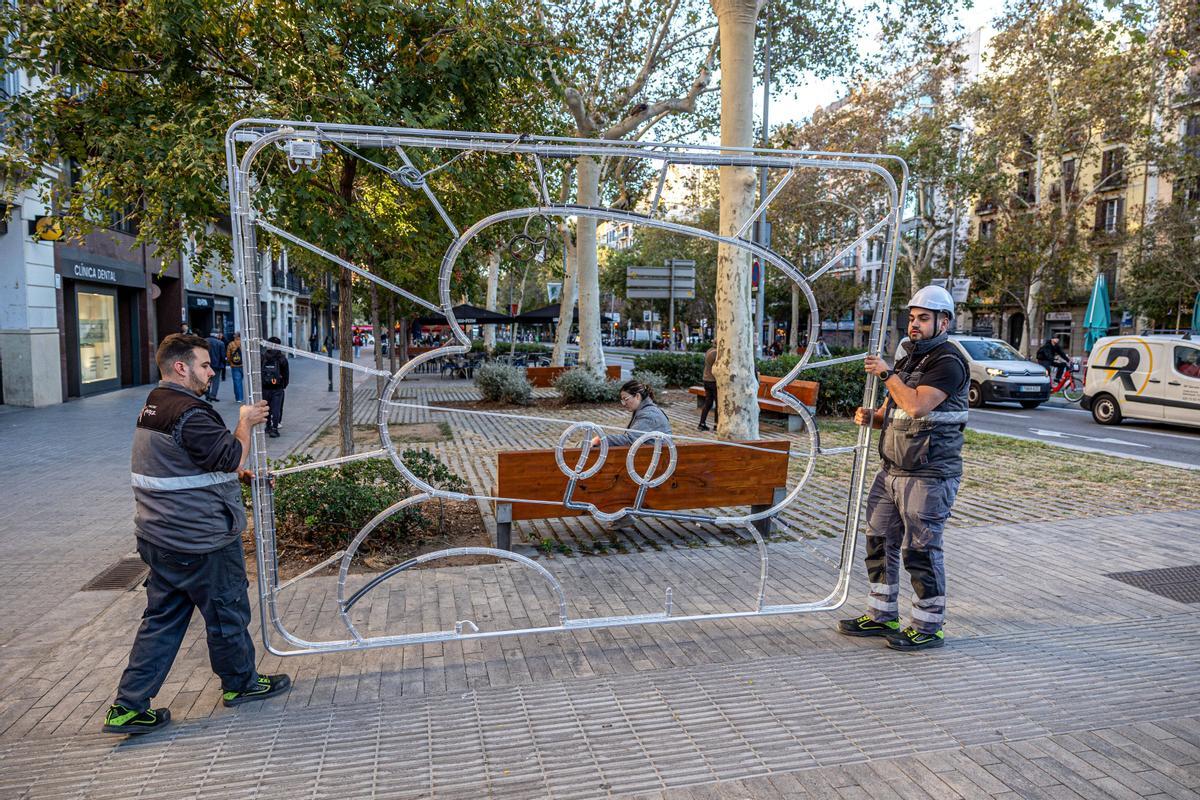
(999, 374)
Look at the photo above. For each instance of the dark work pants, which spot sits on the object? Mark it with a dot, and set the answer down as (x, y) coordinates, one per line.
(216, 584)
(710, 402)
(906, 517)
(274, 398)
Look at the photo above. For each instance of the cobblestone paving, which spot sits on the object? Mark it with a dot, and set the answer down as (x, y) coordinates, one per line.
(1056, 682)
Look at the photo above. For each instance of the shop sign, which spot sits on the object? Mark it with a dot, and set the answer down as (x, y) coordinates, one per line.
(91, 272)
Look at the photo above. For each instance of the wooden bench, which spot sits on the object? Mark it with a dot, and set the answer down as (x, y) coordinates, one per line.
(544, 377)
(706, 476)
(804, 391)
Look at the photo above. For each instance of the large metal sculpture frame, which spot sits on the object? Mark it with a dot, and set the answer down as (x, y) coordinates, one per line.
(304, 144)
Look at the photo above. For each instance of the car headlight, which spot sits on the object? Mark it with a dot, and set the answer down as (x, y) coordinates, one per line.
(996, 373)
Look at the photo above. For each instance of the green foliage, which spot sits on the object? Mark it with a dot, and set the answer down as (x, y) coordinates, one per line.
(522, 347)
(584, 386)
(1163, 282)
(654, 380)
(325, 507)
(500, 383)
(677, 369)
(842, 385)
(701, 347)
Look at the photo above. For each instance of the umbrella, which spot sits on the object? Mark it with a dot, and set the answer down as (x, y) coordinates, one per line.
(546, 315)
(468, 315)
(1096, 320)
(1196, 314)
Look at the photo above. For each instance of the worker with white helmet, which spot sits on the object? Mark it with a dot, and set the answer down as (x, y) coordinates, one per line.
(922, 421)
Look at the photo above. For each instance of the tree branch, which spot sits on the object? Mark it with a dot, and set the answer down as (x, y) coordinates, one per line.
(674, 105)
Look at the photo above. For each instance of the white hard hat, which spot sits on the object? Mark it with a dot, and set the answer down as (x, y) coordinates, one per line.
(934, 298)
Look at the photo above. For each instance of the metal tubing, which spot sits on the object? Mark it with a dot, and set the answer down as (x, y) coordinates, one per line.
(260, 133)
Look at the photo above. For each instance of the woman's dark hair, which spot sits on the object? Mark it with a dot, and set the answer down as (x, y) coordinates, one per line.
(638, 388)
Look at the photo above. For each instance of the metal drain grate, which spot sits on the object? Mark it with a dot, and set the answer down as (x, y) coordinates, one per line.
(1181, 584)
(121, 576)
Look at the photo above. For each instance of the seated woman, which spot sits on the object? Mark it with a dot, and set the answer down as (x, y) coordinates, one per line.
(647, 416)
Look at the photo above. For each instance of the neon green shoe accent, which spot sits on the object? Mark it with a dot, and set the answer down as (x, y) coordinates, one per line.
(115, 717)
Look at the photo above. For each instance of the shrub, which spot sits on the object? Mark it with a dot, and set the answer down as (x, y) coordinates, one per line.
(501, 383)
(841, 385)
(677, 369)
(581, 385)
(655, 381)
(700, 347)
(325, 507)
(503, 347)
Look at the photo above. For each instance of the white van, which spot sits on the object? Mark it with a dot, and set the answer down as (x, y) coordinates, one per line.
(999, 374)
(1153, 378)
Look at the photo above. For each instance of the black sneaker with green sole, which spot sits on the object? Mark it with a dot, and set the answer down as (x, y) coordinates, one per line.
(865, 626)
(120, 719)
(266, 686)
(910, 640)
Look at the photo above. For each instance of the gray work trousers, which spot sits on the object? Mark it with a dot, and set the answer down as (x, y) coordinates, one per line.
(216, 584)
(906, 517)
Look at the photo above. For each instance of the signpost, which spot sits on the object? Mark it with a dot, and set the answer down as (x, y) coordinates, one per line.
(676, 279)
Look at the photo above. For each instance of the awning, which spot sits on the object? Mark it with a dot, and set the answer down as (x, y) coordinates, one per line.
(546, 315)
(468, 315)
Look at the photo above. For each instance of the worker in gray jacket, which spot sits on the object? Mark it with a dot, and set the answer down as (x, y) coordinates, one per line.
(638, 398)
(921, 449)
(189, 521)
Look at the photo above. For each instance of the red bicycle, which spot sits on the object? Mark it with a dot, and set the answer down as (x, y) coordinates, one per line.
(1070, 388)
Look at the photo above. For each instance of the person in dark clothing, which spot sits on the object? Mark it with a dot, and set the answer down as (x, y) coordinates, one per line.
(312, 342)
(920, 450)
(710, 389)
(188, 522)
(216, 355)
(1051, 356)
(275, 378)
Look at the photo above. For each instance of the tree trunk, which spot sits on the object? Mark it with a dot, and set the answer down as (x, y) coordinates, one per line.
(566, 301)
(346, 322)
(1033, 306)
(376, 331)
(346, 353)
(737, 385)
(587, 268)
(391, 330)
(493, 280)
(794, 331)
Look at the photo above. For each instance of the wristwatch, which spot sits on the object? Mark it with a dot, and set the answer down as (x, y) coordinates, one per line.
(883, 376)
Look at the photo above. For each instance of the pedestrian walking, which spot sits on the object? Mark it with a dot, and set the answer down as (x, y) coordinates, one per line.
(189, 522)
(233, 355)
(710, 389)
(312, 341)
(275, 379)
(922, 421)
(358, 342)
(216, 353)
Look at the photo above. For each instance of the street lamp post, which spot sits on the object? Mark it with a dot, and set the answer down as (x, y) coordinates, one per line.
(958, 132)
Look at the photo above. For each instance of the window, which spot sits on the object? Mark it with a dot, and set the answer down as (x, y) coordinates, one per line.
(1191, 134)
(1110, 216)
(991, 350)
(1108, 265)
(1068, 175)
(1025, 186)
(1112, 168)
(1187, 361)
(987, 229)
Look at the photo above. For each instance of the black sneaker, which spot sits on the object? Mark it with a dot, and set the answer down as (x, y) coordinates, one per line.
(120, 719)
(865, 626)
(267, 686)
(701, 427)
(910, 640)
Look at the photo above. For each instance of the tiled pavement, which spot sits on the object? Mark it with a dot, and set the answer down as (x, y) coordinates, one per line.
(1057, 681)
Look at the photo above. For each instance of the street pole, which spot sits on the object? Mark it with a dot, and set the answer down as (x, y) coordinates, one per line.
(958, 130)
(329, 324)
(762, 235)
(671, 304)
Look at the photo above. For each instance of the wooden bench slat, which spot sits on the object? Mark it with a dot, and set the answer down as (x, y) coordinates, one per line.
(544, 377)
(706, 476)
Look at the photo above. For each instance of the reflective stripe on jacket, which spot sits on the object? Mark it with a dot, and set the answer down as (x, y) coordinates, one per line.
(929, 446)
(179, 505)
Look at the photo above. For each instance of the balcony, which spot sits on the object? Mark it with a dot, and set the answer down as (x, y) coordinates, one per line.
(289, 282)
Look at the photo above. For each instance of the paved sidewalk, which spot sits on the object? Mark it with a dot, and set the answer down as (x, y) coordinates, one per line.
(1057, 681)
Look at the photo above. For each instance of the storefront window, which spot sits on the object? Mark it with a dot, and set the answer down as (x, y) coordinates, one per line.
(97, 337)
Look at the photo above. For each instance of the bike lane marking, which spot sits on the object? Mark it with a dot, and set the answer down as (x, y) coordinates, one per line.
(1062, 435)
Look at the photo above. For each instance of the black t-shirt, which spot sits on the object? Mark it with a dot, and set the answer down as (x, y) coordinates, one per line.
(944, 371)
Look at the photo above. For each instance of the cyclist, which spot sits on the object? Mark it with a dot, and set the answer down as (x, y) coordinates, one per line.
(1051, 356)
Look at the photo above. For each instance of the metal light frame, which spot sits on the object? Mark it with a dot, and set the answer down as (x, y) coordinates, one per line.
(305, 142)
